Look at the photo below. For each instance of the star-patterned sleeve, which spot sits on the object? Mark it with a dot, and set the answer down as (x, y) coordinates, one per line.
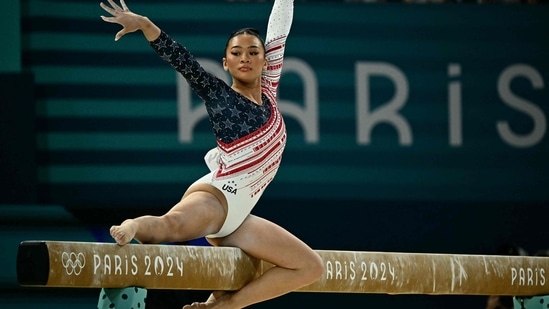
(231, 115)
(280, 22)
(174, 53)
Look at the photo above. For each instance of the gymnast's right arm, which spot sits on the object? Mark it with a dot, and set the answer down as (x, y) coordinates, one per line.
(168, 49)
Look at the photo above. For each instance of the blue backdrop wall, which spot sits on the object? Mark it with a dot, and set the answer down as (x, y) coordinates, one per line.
(383, 102)
(419, 128)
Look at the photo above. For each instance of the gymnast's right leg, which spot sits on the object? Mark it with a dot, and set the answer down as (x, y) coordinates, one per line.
(199, 213)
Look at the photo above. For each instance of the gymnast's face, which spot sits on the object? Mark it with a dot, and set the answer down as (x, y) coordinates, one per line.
(245, 57)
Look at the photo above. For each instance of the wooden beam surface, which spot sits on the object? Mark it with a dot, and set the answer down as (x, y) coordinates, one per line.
(107, 265)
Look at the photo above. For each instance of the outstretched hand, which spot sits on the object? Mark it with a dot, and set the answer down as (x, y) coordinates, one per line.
(123, 16)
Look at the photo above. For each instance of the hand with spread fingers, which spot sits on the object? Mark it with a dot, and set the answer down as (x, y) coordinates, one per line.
(130, 21)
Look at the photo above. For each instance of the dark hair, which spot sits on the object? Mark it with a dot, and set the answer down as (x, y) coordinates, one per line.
(251, 31)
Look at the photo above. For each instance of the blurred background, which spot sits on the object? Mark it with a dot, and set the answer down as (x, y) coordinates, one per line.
(414, 126)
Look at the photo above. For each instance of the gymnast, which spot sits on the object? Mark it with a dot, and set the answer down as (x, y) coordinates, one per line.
(251, 137)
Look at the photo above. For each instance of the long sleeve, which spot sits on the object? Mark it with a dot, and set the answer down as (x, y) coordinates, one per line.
(278, 29)
(280, 20)
(206, 85)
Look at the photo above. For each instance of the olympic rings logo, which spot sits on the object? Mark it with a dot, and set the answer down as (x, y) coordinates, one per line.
(73, 262)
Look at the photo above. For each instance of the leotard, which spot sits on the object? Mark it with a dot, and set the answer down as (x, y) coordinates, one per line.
(250, 137)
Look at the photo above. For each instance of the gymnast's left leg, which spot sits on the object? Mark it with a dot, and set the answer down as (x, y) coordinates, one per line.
(297, 265)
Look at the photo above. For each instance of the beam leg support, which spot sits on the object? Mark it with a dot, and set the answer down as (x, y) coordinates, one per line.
(125, 298)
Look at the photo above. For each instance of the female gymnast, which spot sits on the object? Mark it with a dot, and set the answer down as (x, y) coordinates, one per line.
(251, 136)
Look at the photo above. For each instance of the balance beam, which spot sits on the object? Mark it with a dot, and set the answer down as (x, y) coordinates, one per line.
(107, 265)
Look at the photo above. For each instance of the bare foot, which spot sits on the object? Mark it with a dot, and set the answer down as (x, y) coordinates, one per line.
(217, 299)
(195, 306)
(125, 232)
(215, 296)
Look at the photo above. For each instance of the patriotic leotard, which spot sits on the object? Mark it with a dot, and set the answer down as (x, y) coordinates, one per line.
(250, 137)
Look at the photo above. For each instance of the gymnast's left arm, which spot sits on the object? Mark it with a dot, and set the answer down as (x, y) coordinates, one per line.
(278, 28)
